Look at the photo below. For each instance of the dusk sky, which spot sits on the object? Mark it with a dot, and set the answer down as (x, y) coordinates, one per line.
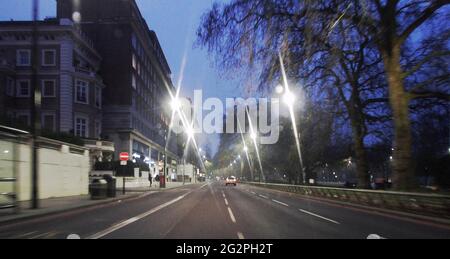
(175, 22)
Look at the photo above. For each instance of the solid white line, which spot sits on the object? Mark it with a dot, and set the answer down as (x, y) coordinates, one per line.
(134, 219)
(262, 196)
(240, 235)
(318, 216)
(231, 215)
(281, 203)
(226, 202)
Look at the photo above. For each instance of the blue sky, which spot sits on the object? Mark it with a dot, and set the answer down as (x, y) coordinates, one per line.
(175, 22)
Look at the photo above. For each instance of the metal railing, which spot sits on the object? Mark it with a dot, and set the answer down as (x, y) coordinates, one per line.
(416, 203)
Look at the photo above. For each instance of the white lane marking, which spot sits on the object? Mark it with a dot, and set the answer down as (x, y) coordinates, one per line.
(44, 235)
(226, 202)
(223, 194)
(25, 235)
(240, 235)
(318, 216)
(262, 196)
(73, 236)
(374, 237)
(134, 219)
(233, 219)
(281, 203)
(254, 193)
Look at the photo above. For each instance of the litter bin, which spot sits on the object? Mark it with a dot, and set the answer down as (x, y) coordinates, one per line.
(98, 189)
(111, 185)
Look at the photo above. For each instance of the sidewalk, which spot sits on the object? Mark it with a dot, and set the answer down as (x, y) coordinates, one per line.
(59, 205)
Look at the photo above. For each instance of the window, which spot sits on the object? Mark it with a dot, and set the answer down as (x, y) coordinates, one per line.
(10, 86)
(134, 62)
(81, 93)
(48, 121)
(133, 81)
(48, 57)
(98, 97)
(98, 129)
(23, 57)
(23, 118)
(81, 127)
(48, 88)
(23, 88)
(134, 41)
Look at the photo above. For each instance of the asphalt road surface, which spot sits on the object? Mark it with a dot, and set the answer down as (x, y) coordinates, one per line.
(214, 211)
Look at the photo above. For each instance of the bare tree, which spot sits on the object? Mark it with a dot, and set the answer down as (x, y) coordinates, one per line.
(312, 33)
(251, 34)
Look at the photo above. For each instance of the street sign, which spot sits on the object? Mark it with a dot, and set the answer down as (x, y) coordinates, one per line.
(123, 162)
(124, 156)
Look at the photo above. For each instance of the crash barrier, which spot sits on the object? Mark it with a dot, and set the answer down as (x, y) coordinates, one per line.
(417, 203)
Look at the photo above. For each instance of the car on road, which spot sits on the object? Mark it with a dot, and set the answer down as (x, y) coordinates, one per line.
(231, 181)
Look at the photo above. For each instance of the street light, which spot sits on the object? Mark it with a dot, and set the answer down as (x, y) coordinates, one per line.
(279, 89)
(175, 104)
(190, 133)
(289, 98)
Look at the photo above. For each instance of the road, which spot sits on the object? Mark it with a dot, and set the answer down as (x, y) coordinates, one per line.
(214, 211)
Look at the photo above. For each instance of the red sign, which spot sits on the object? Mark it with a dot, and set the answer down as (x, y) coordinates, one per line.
(124, 156)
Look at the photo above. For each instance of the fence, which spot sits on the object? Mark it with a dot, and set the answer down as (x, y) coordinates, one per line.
(417, 203)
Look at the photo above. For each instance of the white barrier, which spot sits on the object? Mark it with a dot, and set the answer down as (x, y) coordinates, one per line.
(63, 168)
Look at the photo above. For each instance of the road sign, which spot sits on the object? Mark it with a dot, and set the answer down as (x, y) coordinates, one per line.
(123, 162)
(124, 156)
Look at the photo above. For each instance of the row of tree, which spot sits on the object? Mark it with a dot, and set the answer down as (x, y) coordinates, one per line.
(378, 67)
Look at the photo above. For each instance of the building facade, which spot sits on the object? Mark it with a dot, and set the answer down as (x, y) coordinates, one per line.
(67, 66)
(136, 114)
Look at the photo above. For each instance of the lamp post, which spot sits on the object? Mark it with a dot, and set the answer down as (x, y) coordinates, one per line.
(35, 109)
(289, 99)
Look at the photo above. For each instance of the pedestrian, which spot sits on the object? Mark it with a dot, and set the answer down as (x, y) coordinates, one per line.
(150, 179)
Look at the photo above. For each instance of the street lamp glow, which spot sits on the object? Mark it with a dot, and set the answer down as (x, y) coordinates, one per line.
(245, 149)
(175, 104)
(279, 89)
(190, 133)
(289, 98)
(253, 135)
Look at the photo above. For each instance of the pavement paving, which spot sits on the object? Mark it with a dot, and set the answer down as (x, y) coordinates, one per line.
(64, 204)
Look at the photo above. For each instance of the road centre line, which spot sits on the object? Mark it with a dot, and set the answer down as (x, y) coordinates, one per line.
(318, 216)
(233, 219)
(281, 203)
